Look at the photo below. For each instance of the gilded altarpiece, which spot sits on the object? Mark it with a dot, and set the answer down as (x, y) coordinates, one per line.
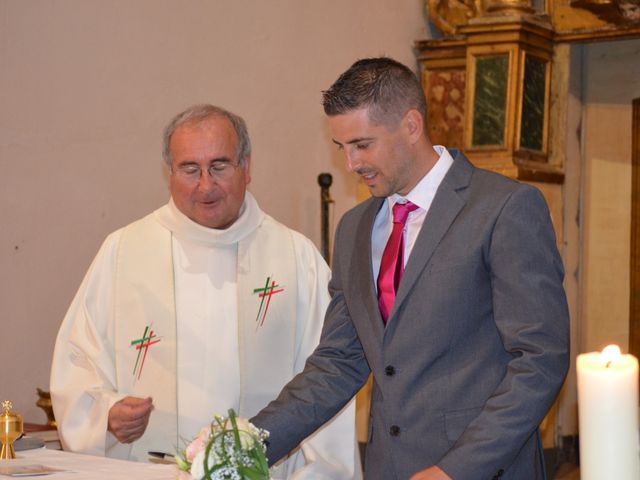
(489, 80)
(444, 80)
(504, 120)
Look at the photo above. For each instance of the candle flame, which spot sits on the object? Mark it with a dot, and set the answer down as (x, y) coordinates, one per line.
(610, 354)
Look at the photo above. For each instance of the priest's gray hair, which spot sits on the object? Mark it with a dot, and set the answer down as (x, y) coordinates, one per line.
(387, 88)
(198, 114)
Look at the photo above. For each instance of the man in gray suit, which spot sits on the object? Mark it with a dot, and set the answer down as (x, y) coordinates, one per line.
(447, 286)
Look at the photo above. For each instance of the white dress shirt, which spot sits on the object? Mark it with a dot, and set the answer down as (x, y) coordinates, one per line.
(422, 195)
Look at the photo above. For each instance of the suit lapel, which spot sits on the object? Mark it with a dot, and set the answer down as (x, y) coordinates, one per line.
(362, 264)
(446, 205)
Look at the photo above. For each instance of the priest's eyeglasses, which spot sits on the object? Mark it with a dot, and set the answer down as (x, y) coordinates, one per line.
(218, 170)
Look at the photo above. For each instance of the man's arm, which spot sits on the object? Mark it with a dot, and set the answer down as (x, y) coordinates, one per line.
(531, 315)
(332, 375)
(331, 452)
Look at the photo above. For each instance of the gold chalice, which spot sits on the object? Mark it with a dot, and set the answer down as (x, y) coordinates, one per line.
(10, 430)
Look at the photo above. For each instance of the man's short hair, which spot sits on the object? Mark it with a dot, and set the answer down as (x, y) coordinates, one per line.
(198, 114)
(386, 87)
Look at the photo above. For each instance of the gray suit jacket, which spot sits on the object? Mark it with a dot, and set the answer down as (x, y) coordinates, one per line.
(476, 347)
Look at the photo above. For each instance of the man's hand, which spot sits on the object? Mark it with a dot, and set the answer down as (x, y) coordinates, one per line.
(128, 418)
(431, 473)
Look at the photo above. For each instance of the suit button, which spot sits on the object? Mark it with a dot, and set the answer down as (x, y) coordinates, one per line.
(389, 370)
(394, 431)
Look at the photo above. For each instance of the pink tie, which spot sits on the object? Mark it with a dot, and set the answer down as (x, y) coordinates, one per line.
(392, 264)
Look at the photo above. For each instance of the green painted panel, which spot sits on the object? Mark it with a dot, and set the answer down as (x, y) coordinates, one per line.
(490, 100)
(532, 124)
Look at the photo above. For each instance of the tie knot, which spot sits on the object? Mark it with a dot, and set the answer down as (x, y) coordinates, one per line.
(401, 211)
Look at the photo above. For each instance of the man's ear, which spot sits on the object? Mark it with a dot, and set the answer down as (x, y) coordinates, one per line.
(414, 124)
(247, 169)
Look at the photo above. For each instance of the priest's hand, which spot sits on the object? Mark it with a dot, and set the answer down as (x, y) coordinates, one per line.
(431, 473)
(129, 417)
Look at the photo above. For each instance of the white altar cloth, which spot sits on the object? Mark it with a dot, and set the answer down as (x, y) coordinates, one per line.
(88, 467)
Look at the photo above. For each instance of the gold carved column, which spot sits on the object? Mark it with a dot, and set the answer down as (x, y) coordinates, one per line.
(488, 88)
(508, 91)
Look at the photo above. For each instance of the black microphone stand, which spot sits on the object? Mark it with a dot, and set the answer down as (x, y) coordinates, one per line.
(325, 180)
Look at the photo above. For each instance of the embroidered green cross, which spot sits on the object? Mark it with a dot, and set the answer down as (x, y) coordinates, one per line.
(143, 344)
(266, 292)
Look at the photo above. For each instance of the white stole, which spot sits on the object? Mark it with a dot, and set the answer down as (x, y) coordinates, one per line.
(145, 301)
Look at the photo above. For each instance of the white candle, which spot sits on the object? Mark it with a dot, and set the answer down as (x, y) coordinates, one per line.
(608, 412)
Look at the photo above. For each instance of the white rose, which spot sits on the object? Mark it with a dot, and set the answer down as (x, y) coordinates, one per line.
(246, 430)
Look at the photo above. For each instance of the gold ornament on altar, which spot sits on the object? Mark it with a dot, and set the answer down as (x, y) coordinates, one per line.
(449, 15)
(10, 430)
(44, 402)
(570, 20)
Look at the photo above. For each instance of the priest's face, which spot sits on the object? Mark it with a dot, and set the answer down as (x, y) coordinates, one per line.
(207, 183)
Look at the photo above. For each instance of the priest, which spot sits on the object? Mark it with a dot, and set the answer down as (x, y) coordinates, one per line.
(206, 304)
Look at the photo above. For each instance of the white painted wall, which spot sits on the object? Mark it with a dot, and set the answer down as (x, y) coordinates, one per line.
(611, 80)
(86, 87)
(604, 79)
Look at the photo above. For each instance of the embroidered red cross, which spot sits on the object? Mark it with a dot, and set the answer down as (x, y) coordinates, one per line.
(267, 292)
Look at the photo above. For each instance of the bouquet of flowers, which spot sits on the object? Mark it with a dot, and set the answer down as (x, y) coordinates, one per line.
(230, 448)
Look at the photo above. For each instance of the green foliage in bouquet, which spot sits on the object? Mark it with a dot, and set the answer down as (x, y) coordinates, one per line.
(227, 451)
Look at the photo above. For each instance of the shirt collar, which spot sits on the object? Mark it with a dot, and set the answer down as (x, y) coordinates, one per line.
(422, 194)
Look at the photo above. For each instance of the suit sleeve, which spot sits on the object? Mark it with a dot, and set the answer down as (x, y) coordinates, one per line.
(331, 452)
(332, 375)
(531, 315)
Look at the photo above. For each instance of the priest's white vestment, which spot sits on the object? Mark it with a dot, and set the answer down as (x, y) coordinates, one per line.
(201, 320)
